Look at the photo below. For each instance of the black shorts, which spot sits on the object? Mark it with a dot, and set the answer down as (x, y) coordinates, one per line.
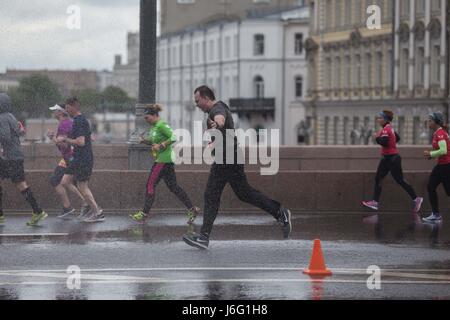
(80, 172)
(57, 176)
(13, 170)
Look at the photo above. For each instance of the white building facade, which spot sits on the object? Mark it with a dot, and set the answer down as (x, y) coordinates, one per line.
(126, 75)
(355, 71)
(256, 65)
(7, 83)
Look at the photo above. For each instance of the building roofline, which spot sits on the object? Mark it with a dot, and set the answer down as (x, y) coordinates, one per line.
(255, 16)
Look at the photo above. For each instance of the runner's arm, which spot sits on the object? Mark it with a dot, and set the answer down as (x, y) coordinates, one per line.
(219, 120)
(79, 142)
(168, 132)
(442, 150)
(383, 141)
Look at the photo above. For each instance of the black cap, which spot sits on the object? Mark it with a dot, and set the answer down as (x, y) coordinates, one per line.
(437, 117)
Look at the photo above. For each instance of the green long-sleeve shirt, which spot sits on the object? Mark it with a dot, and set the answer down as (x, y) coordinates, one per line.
(161, 132)
(442, 150)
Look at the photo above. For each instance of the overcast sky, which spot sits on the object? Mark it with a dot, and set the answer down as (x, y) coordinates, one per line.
(34, 34)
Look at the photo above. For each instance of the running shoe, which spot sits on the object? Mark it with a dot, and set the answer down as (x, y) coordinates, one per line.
(433, 218)
(370, 204)
(197, 241)
(417, 205)
(36, 218)
(96, 217)
(285, 219)
(2, 220)
(85, 212)
(66, 212)
(139, 217)
(192, 215)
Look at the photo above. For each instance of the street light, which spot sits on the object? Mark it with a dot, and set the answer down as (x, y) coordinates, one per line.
(147, 78)
(447, 85)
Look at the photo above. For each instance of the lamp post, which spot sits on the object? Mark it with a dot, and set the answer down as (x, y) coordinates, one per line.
(137, 154)
(447, 54)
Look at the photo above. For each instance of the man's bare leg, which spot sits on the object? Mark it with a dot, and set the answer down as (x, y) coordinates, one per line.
(88, 196)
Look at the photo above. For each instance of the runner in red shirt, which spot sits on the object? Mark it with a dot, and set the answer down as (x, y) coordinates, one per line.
(390, 162)
(441, 172)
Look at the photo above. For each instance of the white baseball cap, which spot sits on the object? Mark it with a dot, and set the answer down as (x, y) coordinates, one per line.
(57, 108)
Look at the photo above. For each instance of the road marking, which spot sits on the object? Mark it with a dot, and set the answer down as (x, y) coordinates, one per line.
(83, 276)
(18, 235)
(124, 279)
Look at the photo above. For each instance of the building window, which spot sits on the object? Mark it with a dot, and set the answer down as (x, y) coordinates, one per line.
(435, 65)
(298, 87)
(357, 15)
(337, 13)
(327, 130)
(436, 5)
(420, 6)
(227, 47)
(259, 45)
(259, 87)
(389, 72)
(368, 73)
(401, 128)
(357, 71)
(211, 50)
(389, 10)
(188, 54)
(348, 13)
(328, 73)
(379, 70)
(174, 58)
(347, 74)
(404, 66)
(337, 73)
(405, 6)
(420, 65)
(218, 50)
(362, 16)
(329, 14)
(197, 52)
(336, 131)
(298, 43)
(346, 130)
(416, 130)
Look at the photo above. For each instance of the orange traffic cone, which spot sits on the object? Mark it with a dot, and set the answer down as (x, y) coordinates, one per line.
(317, 266)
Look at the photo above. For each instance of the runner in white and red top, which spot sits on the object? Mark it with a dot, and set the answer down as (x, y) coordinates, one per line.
(441, 172)
(391, 162)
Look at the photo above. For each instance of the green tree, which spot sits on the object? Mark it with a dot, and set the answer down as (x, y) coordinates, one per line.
(116, 99)
(90, 100)
(34, 96)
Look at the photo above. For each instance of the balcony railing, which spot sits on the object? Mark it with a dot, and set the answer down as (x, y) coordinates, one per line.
(265, 106)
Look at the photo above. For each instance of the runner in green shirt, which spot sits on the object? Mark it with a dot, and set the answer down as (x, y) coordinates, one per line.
(161, 138)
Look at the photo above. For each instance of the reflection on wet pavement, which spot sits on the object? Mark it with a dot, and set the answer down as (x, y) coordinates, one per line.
(247, 259)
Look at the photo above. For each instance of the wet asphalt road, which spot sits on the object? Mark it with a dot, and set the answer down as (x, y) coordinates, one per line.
(247, 259)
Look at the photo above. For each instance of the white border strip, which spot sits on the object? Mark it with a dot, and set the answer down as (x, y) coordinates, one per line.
(29, 235)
